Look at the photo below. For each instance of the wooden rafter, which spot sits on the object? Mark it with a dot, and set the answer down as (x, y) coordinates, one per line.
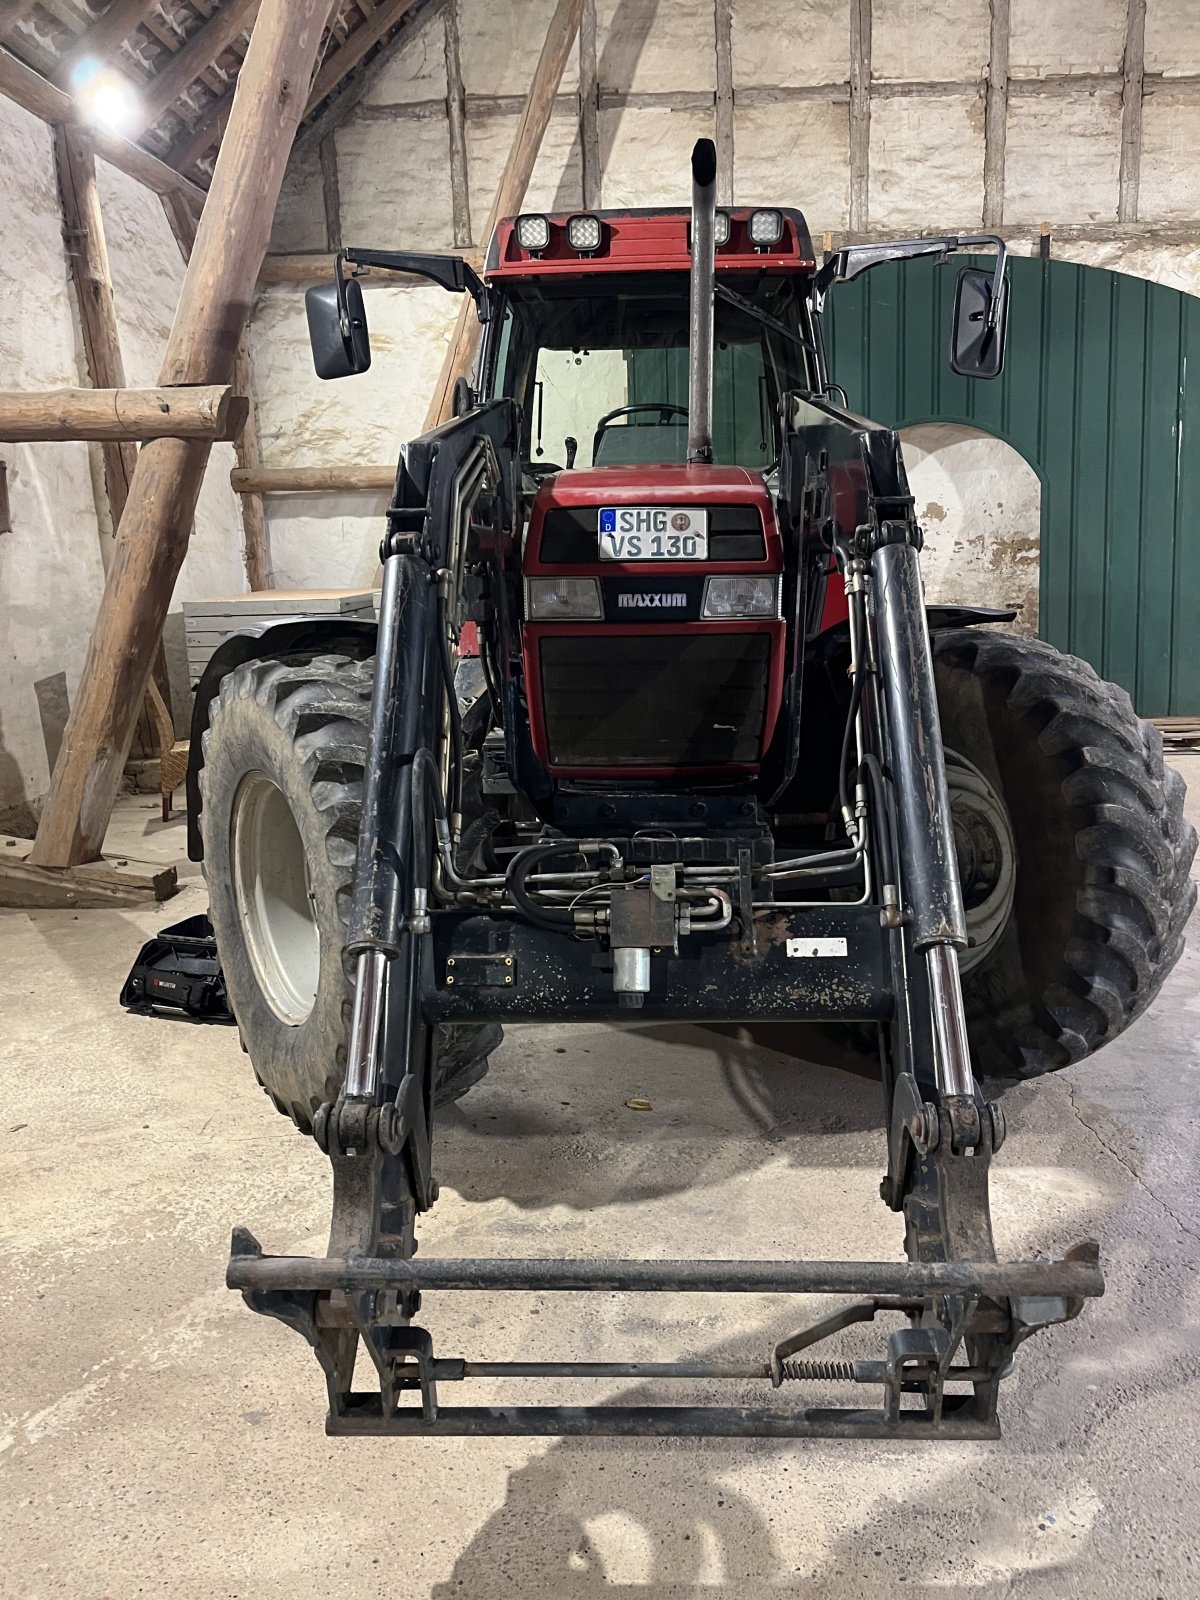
(364, 39)
(337, 66)
(199, 52)
(105, 37)
(15, 15)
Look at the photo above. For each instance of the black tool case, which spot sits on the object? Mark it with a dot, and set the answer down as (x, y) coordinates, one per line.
(178, 973)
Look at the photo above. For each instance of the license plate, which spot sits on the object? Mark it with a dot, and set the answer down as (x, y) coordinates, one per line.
(653, 533)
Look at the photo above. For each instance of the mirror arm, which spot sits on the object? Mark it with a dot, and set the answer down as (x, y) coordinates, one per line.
(448, 272)
(851, 260)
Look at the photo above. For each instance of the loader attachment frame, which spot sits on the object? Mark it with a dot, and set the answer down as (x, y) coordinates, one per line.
(963, 1314)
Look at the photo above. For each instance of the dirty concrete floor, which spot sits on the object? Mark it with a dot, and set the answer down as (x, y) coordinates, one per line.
(158, 1439)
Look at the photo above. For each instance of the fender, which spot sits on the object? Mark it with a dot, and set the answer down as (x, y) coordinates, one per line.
(314, 635)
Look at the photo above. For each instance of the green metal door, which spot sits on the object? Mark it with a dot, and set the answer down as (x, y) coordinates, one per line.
(1095, 395)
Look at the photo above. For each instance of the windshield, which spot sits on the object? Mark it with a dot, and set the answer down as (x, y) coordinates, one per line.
(605, 363)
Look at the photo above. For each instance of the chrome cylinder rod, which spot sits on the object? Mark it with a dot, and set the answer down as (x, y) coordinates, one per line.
(700, 330)
(362, 1057)
(953, 1054)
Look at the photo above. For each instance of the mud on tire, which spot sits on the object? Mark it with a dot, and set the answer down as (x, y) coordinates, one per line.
(281, 787)
(1102, 888)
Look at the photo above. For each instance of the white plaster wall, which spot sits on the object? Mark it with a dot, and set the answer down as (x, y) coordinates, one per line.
(50, 567)
(979, 506)
(1062, 158)
(947, 40)
(781, 153)
(645, 154)
(924, 146)
(1067, 36)
(791, 43)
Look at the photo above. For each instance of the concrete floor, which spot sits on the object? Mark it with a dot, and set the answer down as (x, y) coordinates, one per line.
(156, 1438)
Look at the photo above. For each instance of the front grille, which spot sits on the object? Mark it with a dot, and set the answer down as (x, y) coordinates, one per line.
(654, 700)
(569, 536)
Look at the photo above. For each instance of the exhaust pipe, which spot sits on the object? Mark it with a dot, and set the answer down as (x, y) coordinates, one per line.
(700, 332)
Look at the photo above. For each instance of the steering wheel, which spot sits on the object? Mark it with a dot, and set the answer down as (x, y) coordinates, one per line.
(665, 413)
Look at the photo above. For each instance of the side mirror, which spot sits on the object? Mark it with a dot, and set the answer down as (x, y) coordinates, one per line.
(980, 324)
(463, 398)
(337, 327)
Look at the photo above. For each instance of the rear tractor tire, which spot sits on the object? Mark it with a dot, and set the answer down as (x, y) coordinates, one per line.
(1073, 850)
(281, 790)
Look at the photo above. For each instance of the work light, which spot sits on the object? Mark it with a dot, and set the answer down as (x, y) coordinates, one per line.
(766, 228)
(746, 596)
(721, 228)
(584, 233)
(533, 232)
(554, 599)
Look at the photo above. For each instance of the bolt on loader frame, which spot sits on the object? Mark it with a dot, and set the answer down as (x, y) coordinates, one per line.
(432, 945)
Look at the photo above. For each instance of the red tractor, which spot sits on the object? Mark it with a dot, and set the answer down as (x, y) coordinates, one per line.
(659, 725)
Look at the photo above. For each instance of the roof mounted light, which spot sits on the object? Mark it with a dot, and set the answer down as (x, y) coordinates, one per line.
(584, 233)
(720, 228)
(533, 232)
(766, 228)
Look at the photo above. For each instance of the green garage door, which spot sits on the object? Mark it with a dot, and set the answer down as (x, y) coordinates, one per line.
(1101, 395)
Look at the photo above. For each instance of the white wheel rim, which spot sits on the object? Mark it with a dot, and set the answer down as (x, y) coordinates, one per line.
(274, 898)
(987, 857)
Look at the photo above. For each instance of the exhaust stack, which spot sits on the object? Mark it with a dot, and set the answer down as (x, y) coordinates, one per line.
(700, 332)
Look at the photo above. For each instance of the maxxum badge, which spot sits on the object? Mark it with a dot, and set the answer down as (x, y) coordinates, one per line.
(640, 602)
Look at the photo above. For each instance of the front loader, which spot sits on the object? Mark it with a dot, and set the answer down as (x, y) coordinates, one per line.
(669, 733)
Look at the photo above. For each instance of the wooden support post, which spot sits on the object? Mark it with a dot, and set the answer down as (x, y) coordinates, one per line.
(589, 108)
(87, 255)
(860, 115)
(203, 411)
(724, 105)
(331, 193)
(256, 550)
(217, 290)
(995, 124)
(456, 120)
(1132, 87)
(518, 169)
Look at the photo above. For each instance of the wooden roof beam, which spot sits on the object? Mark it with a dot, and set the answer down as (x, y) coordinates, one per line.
(364, 39)
(337, 67)
(40, 97)
(105, 37)
(198, 53)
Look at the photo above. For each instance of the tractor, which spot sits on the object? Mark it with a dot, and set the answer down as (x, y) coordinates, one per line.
(655, 724)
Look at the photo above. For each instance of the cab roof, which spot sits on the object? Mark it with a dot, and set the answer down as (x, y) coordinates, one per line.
(647, 241)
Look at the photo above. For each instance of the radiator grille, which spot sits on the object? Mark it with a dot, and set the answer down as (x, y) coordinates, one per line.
(654, 700)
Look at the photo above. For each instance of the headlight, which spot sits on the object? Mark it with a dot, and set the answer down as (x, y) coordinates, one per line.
(721, 228)
(533, 232)
(741, 597)
(555, 599)
(584, 233)
(766, 228)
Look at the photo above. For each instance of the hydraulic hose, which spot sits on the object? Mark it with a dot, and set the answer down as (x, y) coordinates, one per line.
(522, 864)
